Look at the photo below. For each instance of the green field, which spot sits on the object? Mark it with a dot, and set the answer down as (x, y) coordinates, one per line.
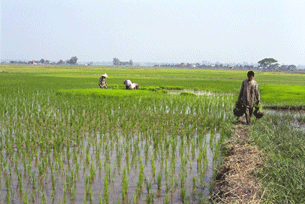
(64, 140)
(289, 93)
(282, 142)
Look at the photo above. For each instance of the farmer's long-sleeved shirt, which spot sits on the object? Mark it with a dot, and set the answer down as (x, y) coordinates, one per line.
(249, 92)
(102, 82)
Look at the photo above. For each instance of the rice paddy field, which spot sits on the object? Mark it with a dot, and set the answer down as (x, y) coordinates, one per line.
(64, 140)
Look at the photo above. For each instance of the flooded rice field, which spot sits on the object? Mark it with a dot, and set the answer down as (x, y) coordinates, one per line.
(159, 175)
(297, 117)
(196, 92)
(57, 149)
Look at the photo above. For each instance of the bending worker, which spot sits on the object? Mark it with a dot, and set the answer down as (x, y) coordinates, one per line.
(102, 82)
(129, 85)
(248, 93)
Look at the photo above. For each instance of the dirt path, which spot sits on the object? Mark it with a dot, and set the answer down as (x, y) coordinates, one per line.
(235, 181)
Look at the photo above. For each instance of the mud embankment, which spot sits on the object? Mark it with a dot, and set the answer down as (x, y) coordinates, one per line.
(235, 181)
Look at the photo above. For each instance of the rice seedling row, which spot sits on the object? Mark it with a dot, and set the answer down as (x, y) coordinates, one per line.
(71, 149)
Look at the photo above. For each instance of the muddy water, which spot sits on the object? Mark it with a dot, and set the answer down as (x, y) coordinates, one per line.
(36, 188)
(298, 125)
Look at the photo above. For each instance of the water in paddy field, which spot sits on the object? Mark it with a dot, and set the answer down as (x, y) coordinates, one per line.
(37, 182)
(60, 153)
(198, 93)
(298, 125)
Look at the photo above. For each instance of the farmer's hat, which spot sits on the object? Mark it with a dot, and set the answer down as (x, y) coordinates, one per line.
(105, 75)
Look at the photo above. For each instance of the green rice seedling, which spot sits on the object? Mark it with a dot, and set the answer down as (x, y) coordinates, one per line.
(92, 172)
(141, 179)
(166, 200)
(194, 183)
(43, 197)
(25, 197)
(183, 194)
(153, 166)
(8, 198)
(173, 164)
(7, 180)
(85, 198)
(124, 184)
(77, 165)
(159, 180)
(73, 192)
(148, 198)
(148, 185)
(182, 178)
(90, 193)
(20, 180)
(100, 198)
(33, 180)
(202, 176)
(106, 190)
(175, 181)
(134, 197)
(65, 192)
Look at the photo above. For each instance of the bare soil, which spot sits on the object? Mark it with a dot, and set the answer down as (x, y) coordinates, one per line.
(235, 181)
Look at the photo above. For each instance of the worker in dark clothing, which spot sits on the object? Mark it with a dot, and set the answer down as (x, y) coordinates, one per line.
(248, 94)
(102, 82)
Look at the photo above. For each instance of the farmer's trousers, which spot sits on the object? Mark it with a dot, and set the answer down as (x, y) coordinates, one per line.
(249, 112)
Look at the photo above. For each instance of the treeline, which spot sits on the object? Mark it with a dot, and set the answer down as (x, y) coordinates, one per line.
(71, 61)
(117, 62)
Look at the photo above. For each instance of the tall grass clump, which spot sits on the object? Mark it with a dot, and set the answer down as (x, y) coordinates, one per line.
(284, 156)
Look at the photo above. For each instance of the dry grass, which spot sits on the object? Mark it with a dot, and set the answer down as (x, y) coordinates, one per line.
(235, 181)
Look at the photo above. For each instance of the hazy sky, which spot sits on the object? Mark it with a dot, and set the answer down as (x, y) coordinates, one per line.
(154, 30)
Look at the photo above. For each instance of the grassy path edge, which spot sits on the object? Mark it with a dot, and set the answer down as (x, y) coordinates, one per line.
(235, 180)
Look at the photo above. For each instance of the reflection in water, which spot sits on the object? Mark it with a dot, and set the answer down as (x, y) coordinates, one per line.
(293, 114)
(122, 151)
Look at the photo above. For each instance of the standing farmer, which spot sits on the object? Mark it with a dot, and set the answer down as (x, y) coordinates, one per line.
(102, 82)
(248, 93)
